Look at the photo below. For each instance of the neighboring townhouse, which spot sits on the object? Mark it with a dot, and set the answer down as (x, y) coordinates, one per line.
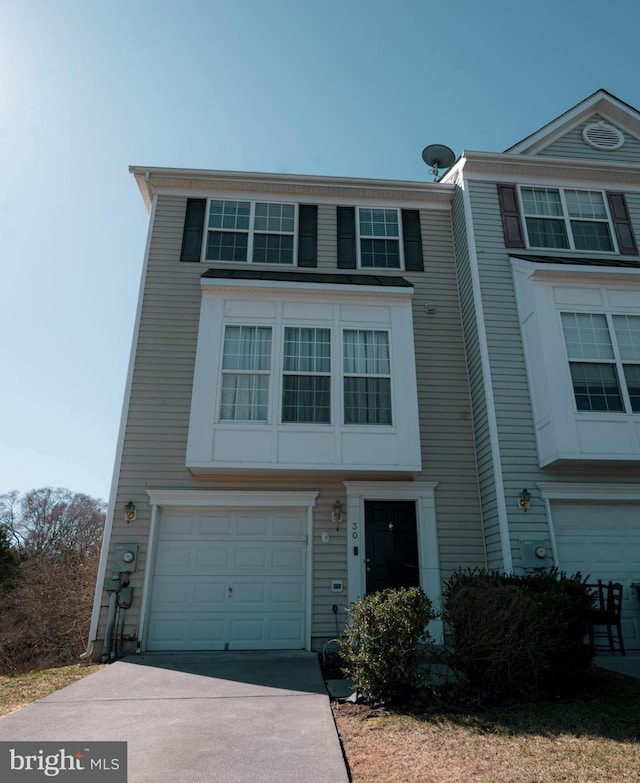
(297, 425)
(338, 385)
(549, 273)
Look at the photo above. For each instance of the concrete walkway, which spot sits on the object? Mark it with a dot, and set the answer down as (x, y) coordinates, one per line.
(628, 664)
(228, 717)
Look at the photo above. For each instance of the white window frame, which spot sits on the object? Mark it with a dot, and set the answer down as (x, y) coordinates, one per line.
(275, 392)
(345, 375)
(227, 372)
(360, 236)
(308, 373)
(566, 218)
(251, 232)
(617, 362)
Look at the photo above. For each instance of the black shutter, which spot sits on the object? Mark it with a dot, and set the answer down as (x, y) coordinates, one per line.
(511, 223)
(622, 223)
(308, 235)
(193, 229)
(412, 239)
(346, 237)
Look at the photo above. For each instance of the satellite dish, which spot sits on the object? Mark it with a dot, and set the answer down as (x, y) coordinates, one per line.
(438, 157)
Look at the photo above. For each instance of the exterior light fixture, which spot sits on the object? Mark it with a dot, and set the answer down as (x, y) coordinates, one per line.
(523, 499)
(337, 514)
(129, 512)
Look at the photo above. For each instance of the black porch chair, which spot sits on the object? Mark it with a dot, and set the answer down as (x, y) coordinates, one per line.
(606, 612)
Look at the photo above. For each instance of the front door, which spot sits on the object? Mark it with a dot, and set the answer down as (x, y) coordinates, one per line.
(391, 543)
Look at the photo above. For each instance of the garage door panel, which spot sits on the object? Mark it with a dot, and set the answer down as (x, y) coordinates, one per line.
(233, 579)
(212, 525)
(290, 559)
(290, 525)
(178, 524)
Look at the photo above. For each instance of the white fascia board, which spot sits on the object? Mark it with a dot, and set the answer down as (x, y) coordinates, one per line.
(209, 285)
(588, 491)
(575, 273)
(230, 498)
(506, 167)
(295, 469)
(202, 182)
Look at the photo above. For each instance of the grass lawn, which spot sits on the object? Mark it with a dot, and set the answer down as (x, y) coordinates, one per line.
(16, 691)
(590, 739)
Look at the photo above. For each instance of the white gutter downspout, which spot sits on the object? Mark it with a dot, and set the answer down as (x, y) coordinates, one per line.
(148, 570)
(108, 525)
(501, 505)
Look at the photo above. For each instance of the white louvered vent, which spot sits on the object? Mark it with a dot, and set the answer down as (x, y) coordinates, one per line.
(602, 136)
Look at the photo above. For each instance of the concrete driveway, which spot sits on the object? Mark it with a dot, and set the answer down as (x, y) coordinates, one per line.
(225, 717)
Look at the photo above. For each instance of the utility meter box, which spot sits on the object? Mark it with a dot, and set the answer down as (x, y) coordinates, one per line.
(536, 554)
(125, 558)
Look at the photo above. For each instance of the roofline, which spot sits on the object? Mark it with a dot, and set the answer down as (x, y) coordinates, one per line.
(571, 116)
(152, 178)
(495, 166)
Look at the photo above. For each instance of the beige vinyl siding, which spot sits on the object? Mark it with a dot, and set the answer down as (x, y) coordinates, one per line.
(327, 241)
(572, 145)
(446, 428)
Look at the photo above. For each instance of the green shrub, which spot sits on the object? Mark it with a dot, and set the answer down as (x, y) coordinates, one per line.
(515, 636)
(382, 643)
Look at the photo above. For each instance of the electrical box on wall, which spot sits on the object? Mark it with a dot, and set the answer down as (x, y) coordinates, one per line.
(125, 558)
(535, 554)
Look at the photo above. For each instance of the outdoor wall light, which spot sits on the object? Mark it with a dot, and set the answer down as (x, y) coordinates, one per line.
(337, 514)
(523, 499)
(129, 512)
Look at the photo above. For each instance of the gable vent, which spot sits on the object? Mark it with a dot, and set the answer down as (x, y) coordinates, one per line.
(602, 136)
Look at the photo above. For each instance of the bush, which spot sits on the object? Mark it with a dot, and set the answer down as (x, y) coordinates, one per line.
(382, 643)
(515, 636)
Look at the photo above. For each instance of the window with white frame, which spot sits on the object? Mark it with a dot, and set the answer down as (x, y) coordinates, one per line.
(306, 375)
(306, 379)
(254, 232)
(367, 377)
(567, 218)
(379, 232)
(604, 359)
(246, 368)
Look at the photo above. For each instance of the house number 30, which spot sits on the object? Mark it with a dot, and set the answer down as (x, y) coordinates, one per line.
(354, 530)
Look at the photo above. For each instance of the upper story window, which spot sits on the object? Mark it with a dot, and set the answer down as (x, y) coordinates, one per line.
(604, 360)
(379, 233)
(564, 218)
(250, 232)
(377, 238)
(257, 232)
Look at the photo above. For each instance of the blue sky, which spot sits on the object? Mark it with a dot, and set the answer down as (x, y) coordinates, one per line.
(335, 87)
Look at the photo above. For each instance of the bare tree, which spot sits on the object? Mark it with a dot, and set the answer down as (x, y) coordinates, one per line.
(44, 619)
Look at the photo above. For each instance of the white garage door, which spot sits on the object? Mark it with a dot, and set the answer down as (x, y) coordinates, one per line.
(229, 580)
(603, 541)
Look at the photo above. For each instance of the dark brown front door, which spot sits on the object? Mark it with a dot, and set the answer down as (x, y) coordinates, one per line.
(391, 542)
